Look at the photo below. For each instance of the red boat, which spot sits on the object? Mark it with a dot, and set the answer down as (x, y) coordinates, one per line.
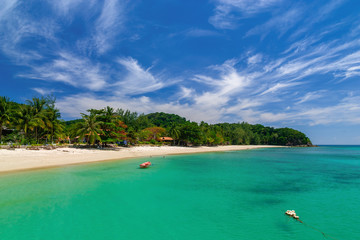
(145, 165)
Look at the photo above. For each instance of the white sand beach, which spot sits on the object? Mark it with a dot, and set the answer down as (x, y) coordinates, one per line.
(22, 159)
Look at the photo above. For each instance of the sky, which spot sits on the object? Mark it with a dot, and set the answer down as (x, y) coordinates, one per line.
(280, 63)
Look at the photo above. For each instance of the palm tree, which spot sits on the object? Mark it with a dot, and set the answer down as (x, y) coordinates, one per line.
(109, 114)
(38, 114)
(174, 132)
(53, 124)
(5, 113)
(109, 119)
(24, 117)
(90, 127)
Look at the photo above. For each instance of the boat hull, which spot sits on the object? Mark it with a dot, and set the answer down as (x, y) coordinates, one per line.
(145, 165)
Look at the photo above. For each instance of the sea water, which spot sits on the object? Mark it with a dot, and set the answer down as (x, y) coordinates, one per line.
(224, 195)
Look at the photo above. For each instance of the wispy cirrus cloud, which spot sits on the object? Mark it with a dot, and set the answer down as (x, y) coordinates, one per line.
(302, 74)
(228, 12)
(17, 29)
(108, 17)
(254, 59)
(137, 79)
(108, 25)
(122, 80)
(311, 96)
(71, 70)
(6, 7)
(295, 83)
(228, 82)
(68, 7)
(69, 62)
(45, 91)
(280, 23)
(102, 20)
(346, 111)
(322, 14)
(279, 86)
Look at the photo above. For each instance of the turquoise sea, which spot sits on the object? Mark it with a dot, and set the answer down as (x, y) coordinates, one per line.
(225, 196)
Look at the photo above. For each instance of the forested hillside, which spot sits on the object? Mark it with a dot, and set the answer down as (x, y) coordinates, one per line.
(38, 121)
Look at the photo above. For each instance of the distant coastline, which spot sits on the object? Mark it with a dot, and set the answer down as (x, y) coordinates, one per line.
(22, 159)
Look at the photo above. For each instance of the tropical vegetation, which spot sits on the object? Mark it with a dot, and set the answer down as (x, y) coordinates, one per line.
(38, 121)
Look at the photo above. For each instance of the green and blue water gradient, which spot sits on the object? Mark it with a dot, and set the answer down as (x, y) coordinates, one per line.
(226, 195)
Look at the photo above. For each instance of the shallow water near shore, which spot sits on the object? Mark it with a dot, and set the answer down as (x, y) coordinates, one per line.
(225, 195)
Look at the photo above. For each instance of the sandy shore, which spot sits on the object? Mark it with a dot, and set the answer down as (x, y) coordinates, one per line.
(21, 159)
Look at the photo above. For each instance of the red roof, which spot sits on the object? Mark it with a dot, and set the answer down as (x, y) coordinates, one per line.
(166, 139)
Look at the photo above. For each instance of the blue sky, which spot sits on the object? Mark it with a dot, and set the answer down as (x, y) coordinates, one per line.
(275, 62)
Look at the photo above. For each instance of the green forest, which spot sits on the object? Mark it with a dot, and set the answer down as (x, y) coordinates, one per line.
(38, 121)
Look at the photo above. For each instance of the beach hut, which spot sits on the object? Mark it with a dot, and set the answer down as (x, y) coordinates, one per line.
(166, 139)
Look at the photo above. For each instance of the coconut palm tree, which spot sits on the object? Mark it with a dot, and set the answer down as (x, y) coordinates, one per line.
(38, 119)
(5, 113)
(24, 116)
(109, 114)
(90, 127)
(174, 132)
(52, 122)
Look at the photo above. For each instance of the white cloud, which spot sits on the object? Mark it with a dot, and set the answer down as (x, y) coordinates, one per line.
(137, 80)
(255, 88)
(311, 96)
(280, 23)
(322, 14)
(272, 117)
(71, 70)
(254, 59)
(229, 81)
(346, 111)
(6, 8)
(249, 7)
(186, 93)
(279, 86)
(223, 19)
(16, 28)
(108, 24)
(225, 11)
(45, 91)
(68, 7)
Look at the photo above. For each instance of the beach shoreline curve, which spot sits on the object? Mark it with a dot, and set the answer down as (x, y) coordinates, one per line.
(24, 160)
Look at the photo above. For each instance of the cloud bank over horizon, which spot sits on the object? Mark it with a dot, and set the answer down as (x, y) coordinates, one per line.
(274, 62)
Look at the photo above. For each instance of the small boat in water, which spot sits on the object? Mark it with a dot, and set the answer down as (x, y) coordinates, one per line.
(292, 213)
(145, 165)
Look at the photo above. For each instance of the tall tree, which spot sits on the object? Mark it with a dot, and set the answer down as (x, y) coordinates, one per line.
(90, 127)
(5, 113)
(174, 132)
(24, 116)
(190, 133)
(52, 122)
(113, 129)
(38, 119)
